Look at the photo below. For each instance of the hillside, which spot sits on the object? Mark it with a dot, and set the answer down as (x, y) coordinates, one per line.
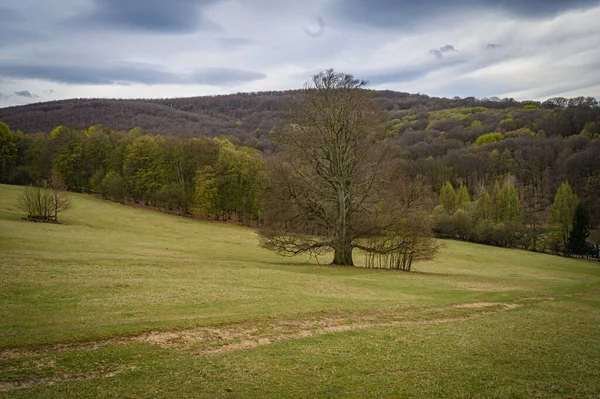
(469, 141)
(247, 116)
(143, 304)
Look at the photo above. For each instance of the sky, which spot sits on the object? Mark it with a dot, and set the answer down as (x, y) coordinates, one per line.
(524, 49)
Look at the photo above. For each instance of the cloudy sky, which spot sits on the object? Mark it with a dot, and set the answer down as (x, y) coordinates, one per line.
(525, 49)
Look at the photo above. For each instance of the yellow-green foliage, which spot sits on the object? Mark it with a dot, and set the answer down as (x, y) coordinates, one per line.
(393, 127)
(484, 207)
(461, 114)
(507, 121)
(446, 114)
(455, 113)
(563, 209)
(463, 198)
(8, 149)
(488, 138)
(475, 124)
(475, 110)
(234, 184)
(524, 131)
(56, 132)
(591, 129)
(448, 198)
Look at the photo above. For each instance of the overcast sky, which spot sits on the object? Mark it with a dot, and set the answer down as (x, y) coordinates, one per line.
(525, 49)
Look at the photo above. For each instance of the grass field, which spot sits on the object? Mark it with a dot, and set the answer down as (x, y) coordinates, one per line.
(128, 303)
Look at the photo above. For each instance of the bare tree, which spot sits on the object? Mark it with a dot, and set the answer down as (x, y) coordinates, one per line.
(401, 229)
(43, 202)
(328, 187)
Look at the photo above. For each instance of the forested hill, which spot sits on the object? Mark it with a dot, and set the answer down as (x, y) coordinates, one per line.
(463, 141)
(249, 117)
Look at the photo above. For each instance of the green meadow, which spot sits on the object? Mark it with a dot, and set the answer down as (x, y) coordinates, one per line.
(121, 302)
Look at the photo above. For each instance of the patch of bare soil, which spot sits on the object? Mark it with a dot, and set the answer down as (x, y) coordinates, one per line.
(332, 326)
(477, 305)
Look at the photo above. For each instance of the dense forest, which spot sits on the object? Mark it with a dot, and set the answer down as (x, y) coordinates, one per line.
(247, 118)
(208, 154)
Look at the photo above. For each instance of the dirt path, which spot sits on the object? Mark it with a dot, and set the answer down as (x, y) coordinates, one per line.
(217, 339)
(213, 340)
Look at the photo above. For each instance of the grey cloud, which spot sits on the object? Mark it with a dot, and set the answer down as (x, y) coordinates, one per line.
(125, 74)
(25, 93)
(85, 74)
(174, 16)
(8, 15)
(225, 76)
(234, 43)
(439, 52)
(468, 88)
(540, 8)
(46, 48)
(396, 77)
(584, 83)
(405, 14)
(315, 34)
(10, 36)
(409, 74)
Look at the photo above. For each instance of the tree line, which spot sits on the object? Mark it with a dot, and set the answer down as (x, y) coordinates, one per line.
(461, 140)
(506, 218)
(184, 176)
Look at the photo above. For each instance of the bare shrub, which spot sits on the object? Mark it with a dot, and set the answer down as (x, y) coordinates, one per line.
(43, 202)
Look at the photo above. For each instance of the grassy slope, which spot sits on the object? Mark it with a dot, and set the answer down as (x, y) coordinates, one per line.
(112, 270)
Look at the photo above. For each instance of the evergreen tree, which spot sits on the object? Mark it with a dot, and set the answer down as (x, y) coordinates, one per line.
(498, 202)
(463, 199)
(512, 209)
(576, 244)
(448, 198)
(484, 208)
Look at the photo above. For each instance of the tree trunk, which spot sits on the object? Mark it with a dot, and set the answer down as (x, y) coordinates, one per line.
(343, 254)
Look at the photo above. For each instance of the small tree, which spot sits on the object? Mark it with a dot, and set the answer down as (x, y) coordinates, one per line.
(577, 244)
(45, 201)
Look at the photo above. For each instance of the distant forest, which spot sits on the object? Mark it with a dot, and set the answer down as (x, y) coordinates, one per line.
(534, 147)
